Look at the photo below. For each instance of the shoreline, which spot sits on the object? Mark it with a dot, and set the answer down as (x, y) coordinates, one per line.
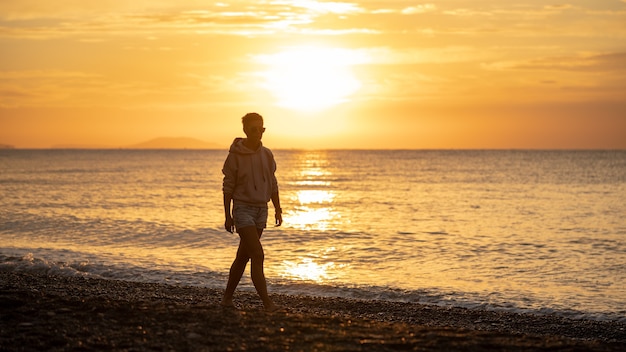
(40, 312)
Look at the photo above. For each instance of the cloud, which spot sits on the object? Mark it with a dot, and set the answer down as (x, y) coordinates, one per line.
(57, 88)
(43, 74)
(411, 56)
(97, 21)
(423, 8)
(463, 12)
(558, 7)
(319, 6)
(36, 87)
(19, 10)
(28, 21)
(607, 62)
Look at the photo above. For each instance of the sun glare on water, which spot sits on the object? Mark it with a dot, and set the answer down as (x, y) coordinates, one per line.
(307, 270)
(311, 78)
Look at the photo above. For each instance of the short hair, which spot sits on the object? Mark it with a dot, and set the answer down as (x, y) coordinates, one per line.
(249, 117)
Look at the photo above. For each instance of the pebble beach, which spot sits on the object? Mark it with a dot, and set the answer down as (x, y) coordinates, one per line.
(40, 312)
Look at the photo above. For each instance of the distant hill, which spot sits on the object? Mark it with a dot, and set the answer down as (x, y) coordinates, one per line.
(174, 143)
(6, 146)
(80, 146)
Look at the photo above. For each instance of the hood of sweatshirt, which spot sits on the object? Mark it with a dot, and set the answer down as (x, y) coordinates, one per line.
(239, 148)
(249, 174)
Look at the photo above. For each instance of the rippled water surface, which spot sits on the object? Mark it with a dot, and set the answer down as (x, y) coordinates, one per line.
(522, 230)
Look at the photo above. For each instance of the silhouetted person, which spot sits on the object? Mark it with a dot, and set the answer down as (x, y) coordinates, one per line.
(249, 183)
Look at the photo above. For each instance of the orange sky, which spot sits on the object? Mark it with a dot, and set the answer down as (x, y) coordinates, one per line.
(325, 74)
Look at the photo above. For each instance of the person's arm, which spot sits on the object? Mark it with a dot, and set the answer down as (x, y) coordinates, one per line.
(229, 224)
(278, 211)
(228, 187)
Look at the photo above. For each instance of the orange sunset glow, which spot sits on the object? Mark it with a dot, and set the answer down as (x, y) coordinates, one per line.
(324, 74)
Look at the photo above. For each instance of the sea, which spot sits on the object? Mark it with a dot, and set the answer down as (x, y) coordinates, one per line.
(528, 231)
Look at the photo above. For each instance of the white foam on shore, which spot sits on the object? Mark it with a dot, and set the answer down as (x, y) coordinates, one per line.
(19, 261)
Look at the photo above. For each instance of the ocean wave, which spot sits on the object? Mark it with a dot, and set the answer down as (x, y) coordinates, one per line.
(29, 263)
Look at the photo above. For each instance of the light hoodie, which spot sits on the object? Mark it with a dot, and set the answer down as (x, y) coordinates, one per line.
(249, 175)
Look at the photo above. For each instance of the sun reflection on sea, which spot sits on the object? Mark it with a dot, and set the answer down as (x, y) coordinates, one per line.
(313, 211)
(307, 270)
(311, 219)
(313, 198)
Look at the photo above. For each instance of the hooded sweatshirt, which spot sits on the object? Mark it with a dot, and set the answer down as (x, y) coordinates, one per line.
(249, 175)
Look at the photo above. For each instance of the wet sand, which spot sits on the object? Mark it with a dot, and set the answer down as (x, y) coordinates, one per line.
(50, 313)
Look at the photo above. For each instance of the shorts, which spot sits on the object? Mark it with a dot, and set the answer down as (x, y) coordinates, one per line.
(246, 216)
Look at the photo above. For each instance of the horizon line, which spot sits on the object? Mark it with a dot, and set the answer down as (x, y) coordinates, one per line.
(318, 149)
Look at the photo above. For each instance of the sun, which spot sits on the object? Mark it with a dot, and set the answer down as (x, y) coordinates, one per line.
(311, 78)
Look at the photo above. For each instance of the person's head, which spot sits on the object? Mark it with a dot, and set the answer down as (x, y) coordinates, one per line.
(253, 125)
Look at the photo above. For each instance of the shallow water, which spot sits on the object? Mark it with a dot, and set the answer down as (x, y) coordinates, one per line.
(539, 231)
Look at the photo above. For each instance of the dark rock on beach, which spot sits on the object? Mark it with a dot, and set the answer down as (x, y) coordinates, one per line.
(50, 313)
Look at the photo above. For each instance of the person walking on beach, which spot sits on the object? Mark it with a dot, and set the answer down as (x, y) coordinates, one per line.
(249, 183)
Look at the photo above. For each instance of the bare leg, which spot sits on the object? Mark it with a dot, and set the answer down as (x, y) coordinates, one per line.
(239, 266)
(251, 243)
(236, 272)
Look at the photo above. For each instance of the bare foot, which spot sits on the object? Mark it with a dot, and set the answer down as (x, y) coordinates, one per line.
(228, 303)
(273, 308)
